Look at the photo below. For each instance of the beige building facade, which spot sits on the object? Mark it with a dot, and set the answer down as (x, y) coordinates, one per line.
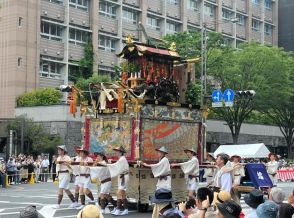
(42, 40)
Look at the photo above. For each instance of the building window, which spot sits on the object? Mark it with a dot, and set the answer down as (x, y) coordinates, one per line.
(107, 43)
(193, 5)
(173, 2)
(228, 42)
(20, 21)
(153, 23)
(268, 29)
(172, 27)
(268, 4)
(19, 59)
(130, 16)
(78, 37)
(241, 19)
(50, 69)
(209, 10)
(56, 1)
(256, 2)
(255, 25)
(227, 15)
(51, 31)
(80, 4)
(107, 9)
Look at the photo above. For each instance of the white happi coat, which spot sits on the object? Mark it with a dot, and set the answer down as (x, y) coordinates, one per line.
(209, 173)
(272, 168)
(85, 181)
(161, 170)
(102, 173)
(238, 172)
(63, 177)
(120, 169)
(76, 170)
(191, 168)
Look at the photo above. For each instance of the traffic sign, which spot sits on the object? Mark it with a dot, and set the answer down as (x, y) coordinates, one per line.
(229, 95)
(217, 96)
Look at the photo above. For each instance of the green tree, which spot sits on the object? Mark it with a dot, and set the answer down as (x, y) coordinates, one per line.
(36, 139)
(277, 99)
(39, 97)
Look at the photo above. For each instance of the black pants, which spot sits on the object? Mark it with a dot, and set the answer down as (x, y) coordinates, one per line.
(10, 176)
(3, 180)
(54, 177)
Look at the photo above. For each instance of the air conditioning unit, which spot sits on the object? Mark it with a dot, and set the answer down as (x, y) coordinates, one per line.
(58, 16)
(72, 19)
(84, 22)
(101, 61)
(45, 50)
(102, 27)
(58, 53)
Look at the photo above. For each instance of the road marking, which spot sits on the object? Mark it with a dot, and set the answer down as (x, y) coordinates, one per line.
(9, 213)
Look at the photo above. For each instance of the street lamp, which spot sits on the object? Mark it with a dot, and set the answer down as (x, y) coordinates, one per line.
(204, 73)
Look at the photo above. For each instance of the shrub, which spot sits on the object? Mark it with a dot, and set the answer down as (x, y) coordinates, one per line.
(39, 97)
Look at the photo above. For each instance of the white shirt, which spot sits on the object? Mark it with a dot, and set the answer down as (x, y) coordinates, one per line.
(121, 166)
(85, 169)
(45, 163)
(223, 180)
(161, 168)
(272, 167)
(62, 167)
(190, 167)
(100, 172)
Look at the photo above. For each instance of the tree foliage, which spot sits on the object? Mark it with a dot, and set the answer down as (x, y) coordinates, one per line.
(267, 70)
(39, 97)
(35, 137)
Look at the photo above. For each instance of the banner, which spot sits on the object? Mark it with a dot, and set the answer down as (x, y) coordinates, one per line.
(175, 136)
(108, 133)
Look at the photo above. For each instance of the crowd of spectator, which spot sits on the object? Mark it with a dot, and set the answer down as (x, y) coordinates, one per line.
(19, 169)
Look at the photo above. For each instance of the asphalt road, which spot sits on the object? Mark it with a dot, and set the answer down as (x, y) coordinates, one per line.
(43, 195)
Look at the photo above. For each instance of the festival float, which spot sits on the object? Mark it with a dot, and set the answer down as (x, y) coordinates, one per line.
(143, 111)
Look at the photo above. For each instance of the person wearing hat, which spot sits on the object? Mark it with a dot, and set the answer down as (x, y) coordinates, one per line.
(63, 168)
(76, 173)
(272, 168)
(163, 204)
(238, 169)
(29, 212)
(90, 211)
(228, 209)
(120, 169)
(268, 209)
(100, 172)
(191, 171)
(253, 199)
(85, 176)
(210, 170)
(161, 170)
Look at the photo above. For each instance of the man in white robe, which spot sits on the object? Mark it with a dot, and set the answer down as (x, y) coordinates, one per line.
(85, 177)
(191, 171)
(210, 170)
(63, 169)
(120, 169)
(101, 172)
(161, 170)
(238, 169)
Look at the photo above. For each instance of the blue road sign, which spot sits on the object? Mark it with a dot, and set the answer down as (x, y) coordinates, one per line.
(217, 96)
(229, 95)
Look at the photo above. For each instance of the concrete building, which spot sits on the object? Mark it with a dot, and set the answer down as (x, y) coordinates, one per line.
(41, 41)
(286, 27)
